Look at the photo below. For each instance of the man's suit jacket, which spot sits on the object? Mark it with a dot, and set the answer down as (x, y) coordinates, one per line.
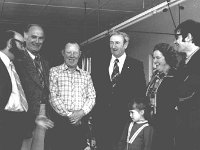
(5, 86)
(189, 91)
(112, 104)
(34, 91)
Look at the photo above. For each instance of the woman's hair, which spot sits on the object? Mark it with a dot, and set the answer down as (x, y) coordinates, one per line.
(168, 52)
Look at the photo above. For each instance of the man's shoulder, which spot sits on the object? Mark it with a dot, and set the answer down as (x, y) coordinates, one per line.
(133, 61)
(85, 73)
(56, 68)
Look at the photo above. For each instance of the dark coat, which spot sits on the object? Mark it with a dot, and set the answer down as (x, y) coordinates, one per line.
(189, 104)
(111, 110)
(34, 91)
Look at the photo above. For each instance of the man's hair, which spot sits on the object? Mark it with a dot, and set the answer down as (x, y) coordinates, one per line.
(71, 43)
(168, 52)
(5, 36)
(192, 27)
(27, 28)
(123, 34)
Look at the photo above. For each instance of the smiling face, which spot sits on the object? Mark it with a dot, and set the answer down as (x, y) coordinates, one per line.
(117, 45)
(71, 55)
(159, 61)
(34, 38)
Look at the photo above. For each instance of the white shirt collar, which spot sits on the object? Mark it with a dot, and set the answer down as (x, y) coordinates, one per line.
(31, 55)
(190, 56)
(120, 63)
(5, 59)
(121, 58)
(143, 121)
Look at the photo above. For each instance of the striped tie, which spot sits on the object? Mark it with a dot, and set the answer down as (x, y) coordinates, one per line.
(19, 86)
(115, 73)
(38, 66)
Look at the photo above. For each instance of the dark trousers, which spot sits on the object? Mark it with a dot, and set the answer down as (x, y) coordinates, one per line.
(65, 135)
(12, 129)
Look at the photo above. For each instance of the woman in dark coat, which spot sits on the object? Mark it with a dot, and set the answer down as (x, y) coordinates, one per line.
(163, 96)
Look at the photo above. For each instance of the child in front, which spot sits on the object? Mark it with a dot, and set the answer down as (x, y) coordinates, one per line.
(137, 134)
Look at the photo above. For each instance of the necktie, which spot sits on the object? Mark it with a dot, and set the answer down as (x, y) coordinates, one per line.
(38, 66)
(115, 73)
(19, 86)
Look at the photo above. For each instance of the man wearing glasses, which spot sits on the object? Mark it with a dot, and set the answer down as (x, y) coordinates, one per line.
(188, 42)
(13, 102)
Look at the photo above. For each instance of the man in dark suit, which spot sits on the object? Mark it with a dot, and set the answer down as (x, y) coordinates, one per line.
(121, 81)
(34, 73)
(13, 104)
(188, 42)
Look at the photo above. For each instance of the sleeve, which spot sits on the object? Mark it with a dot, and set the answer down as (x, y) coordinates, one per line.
(148, 137)
(90, 96)
(142, 79)
(55, 100)
(122, 142)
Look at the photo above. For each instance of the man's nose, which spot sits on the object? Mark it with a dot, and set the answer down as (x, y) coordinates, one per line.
(114, 45)
(37, 40)
(175, 41)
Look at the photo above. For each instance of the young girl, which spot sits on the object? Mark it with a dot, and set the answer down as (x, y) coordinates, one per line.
(138, 133)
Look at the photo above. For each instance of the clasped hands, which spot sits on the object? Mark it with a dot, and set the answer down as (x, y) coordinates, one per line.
(76, 116)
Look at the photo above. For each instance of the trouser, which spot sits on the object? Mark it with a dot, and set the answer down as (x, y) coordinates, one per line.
(65, 135)
(12, 129)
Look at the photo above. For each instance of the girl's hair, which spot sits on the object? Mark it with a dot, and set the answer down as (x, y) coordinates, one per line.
(141, 103)
(137, 103)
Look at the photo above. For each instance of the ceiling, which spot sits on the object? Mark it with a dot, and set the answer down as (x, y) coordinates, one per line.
(79, 18)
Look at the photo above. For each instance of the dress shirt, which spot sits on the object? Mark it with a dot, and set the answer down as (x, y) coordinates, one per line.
(120, 63)
(70, 91)
(189, 57)
(31, 55)
(14, 103)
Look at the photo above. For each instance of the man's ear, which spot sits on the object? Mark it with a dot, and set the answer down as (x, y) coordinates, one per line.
(25, 36)
(142, 112)
(125, 45)
(80, 53)
(9, 44)
(62, 52)
(189, 38)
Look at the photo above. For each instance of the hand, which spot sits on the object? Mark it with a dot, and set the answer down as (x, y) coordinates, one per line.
(44, 122)
(76, 116)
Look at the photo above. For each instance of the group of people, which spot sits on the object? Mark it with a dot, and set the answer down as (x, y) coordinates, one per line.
(164, 115)
(127, 114)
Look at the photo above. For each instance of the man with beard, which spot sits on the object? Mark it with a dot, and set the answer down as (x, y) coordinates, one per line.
(34, 74)
(188, 42)
(13, 102)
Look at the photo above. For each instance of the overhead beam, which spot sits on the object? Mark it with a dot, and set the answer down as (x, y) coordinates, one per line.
(133, 20)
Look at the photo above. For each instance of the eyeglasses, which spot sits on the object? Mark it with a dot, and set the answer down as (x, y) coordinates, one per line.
(177, 35)
(18, 41)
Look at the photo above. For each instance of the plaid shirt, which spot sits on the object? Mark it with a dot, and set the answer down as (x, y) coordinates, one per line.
(71, 91)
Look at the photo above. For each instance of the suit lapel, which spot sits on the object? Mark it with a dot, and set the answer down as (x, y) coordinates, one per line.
(126, 66)
(30, 67)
